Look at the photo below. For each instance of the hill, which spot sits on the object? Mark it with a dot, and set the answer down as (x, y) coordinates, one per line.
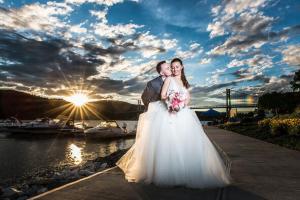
(26, 106)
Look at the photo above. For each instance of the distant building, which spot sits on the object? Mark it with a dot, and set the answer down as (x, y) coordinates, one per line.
(233, 112)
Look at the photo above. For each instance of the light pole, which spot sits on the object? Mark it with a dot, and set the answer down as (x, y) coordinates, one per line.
(228, 103)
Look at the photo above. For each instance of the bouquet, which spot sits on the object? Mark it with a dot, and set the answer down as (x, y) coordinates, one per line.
(175, 101)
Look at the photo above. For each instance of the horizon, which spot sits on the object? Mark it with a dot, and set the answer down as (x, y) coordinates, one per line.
(109, 49)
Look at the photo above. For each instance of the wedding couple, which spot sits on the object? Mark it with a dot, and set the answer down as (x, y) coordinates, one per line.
(171, 148)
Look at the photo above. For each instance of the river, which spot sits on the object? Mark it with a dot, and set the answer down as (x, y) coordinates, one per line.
(24, 156)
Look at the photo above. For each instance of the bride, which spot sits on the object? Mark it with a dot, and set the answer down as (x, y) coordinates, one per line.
(171, 148)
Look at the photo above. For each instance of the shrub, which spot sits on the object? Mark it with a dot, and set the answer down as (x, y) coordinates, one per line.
(280, 126)
(293, 126)
(264, 124)
(228, 124)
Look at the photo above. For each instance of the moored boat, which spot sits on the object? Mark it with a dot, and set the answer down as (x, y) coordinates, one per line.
(43, 126)
(112, 129)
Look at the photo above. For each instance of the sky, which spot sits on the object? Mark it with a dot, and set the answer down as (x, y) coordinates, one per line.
(110, 47)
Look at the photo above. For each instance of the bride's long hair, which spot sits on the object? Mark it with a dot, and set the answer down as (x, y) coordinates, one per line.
(183, 77)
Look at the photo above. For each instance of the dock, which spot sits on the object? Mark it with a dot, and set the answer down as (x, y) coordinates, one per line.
(260, 170)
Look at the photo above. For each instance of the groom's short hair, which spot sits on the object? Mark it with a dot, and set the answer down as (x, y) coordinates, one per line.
(158, 66)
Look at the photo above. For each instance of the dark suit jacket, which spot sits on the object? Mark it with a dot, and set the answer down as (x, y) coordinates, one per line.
(152, 91)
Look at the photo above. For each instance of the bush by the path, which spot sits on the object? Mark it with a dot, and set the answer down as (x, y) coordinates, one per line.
(278, 126)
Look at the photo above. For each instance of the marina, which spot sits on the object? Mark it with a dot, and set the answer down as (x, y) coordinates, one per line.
(55, 127)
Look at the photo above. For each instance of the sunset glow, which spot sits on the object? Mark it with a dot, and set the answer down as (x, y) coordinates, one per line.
(78, 99)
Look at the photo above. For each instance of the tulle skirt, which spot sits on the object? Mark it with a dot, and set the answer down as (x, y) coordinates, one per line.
(173, 150)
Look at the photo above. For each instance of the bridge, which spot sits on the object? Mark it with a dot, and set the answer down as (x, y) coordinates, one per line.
(233, 99)
(237, 98)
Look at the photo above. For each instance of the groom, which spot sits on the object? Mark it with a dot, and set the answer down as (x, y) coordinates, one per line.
(152, 91)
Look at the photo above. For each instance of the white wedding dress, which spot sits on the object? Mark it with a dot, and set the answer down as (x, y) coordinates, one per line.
(173, 150)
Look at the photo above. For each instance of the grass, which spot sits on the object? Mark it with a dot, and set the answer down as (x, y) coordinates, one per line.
(252, 130)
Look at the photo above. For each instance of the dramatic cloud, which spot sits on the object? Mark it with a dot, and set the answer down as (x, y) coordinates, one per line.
(247, 27)
(35, 17)
(240, 43)
(256, 65)
(205, 61)
(229, 11)
(291, 55)
(113, 31)
(194, 50)
(279, 84)
(150, 45)
(42, 62)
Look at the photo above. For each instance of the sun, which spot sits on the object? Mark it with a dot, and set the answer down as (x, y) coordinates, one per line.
(78, 99)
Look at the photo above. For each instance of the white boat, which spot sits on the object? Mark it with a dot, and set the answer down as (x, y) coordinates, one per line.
(44, 123)
(112, 129)
(82, 125)
(10, 122)
(41, 126)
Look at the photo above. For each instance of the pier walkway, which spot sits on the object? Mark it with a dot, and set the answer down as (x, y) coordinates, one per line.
(260, 170)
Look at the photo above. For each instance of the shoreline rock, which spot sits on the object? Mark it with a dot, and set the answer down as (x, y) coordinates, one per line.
(49, 179)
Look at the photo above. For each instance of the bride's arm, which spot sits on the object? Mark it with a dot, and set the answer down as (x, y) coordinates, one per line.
(163, 94)
(187, 100)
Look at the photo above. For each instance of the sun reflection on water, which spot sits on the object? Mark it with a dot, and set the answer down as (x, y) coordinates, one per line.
(75, 153)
